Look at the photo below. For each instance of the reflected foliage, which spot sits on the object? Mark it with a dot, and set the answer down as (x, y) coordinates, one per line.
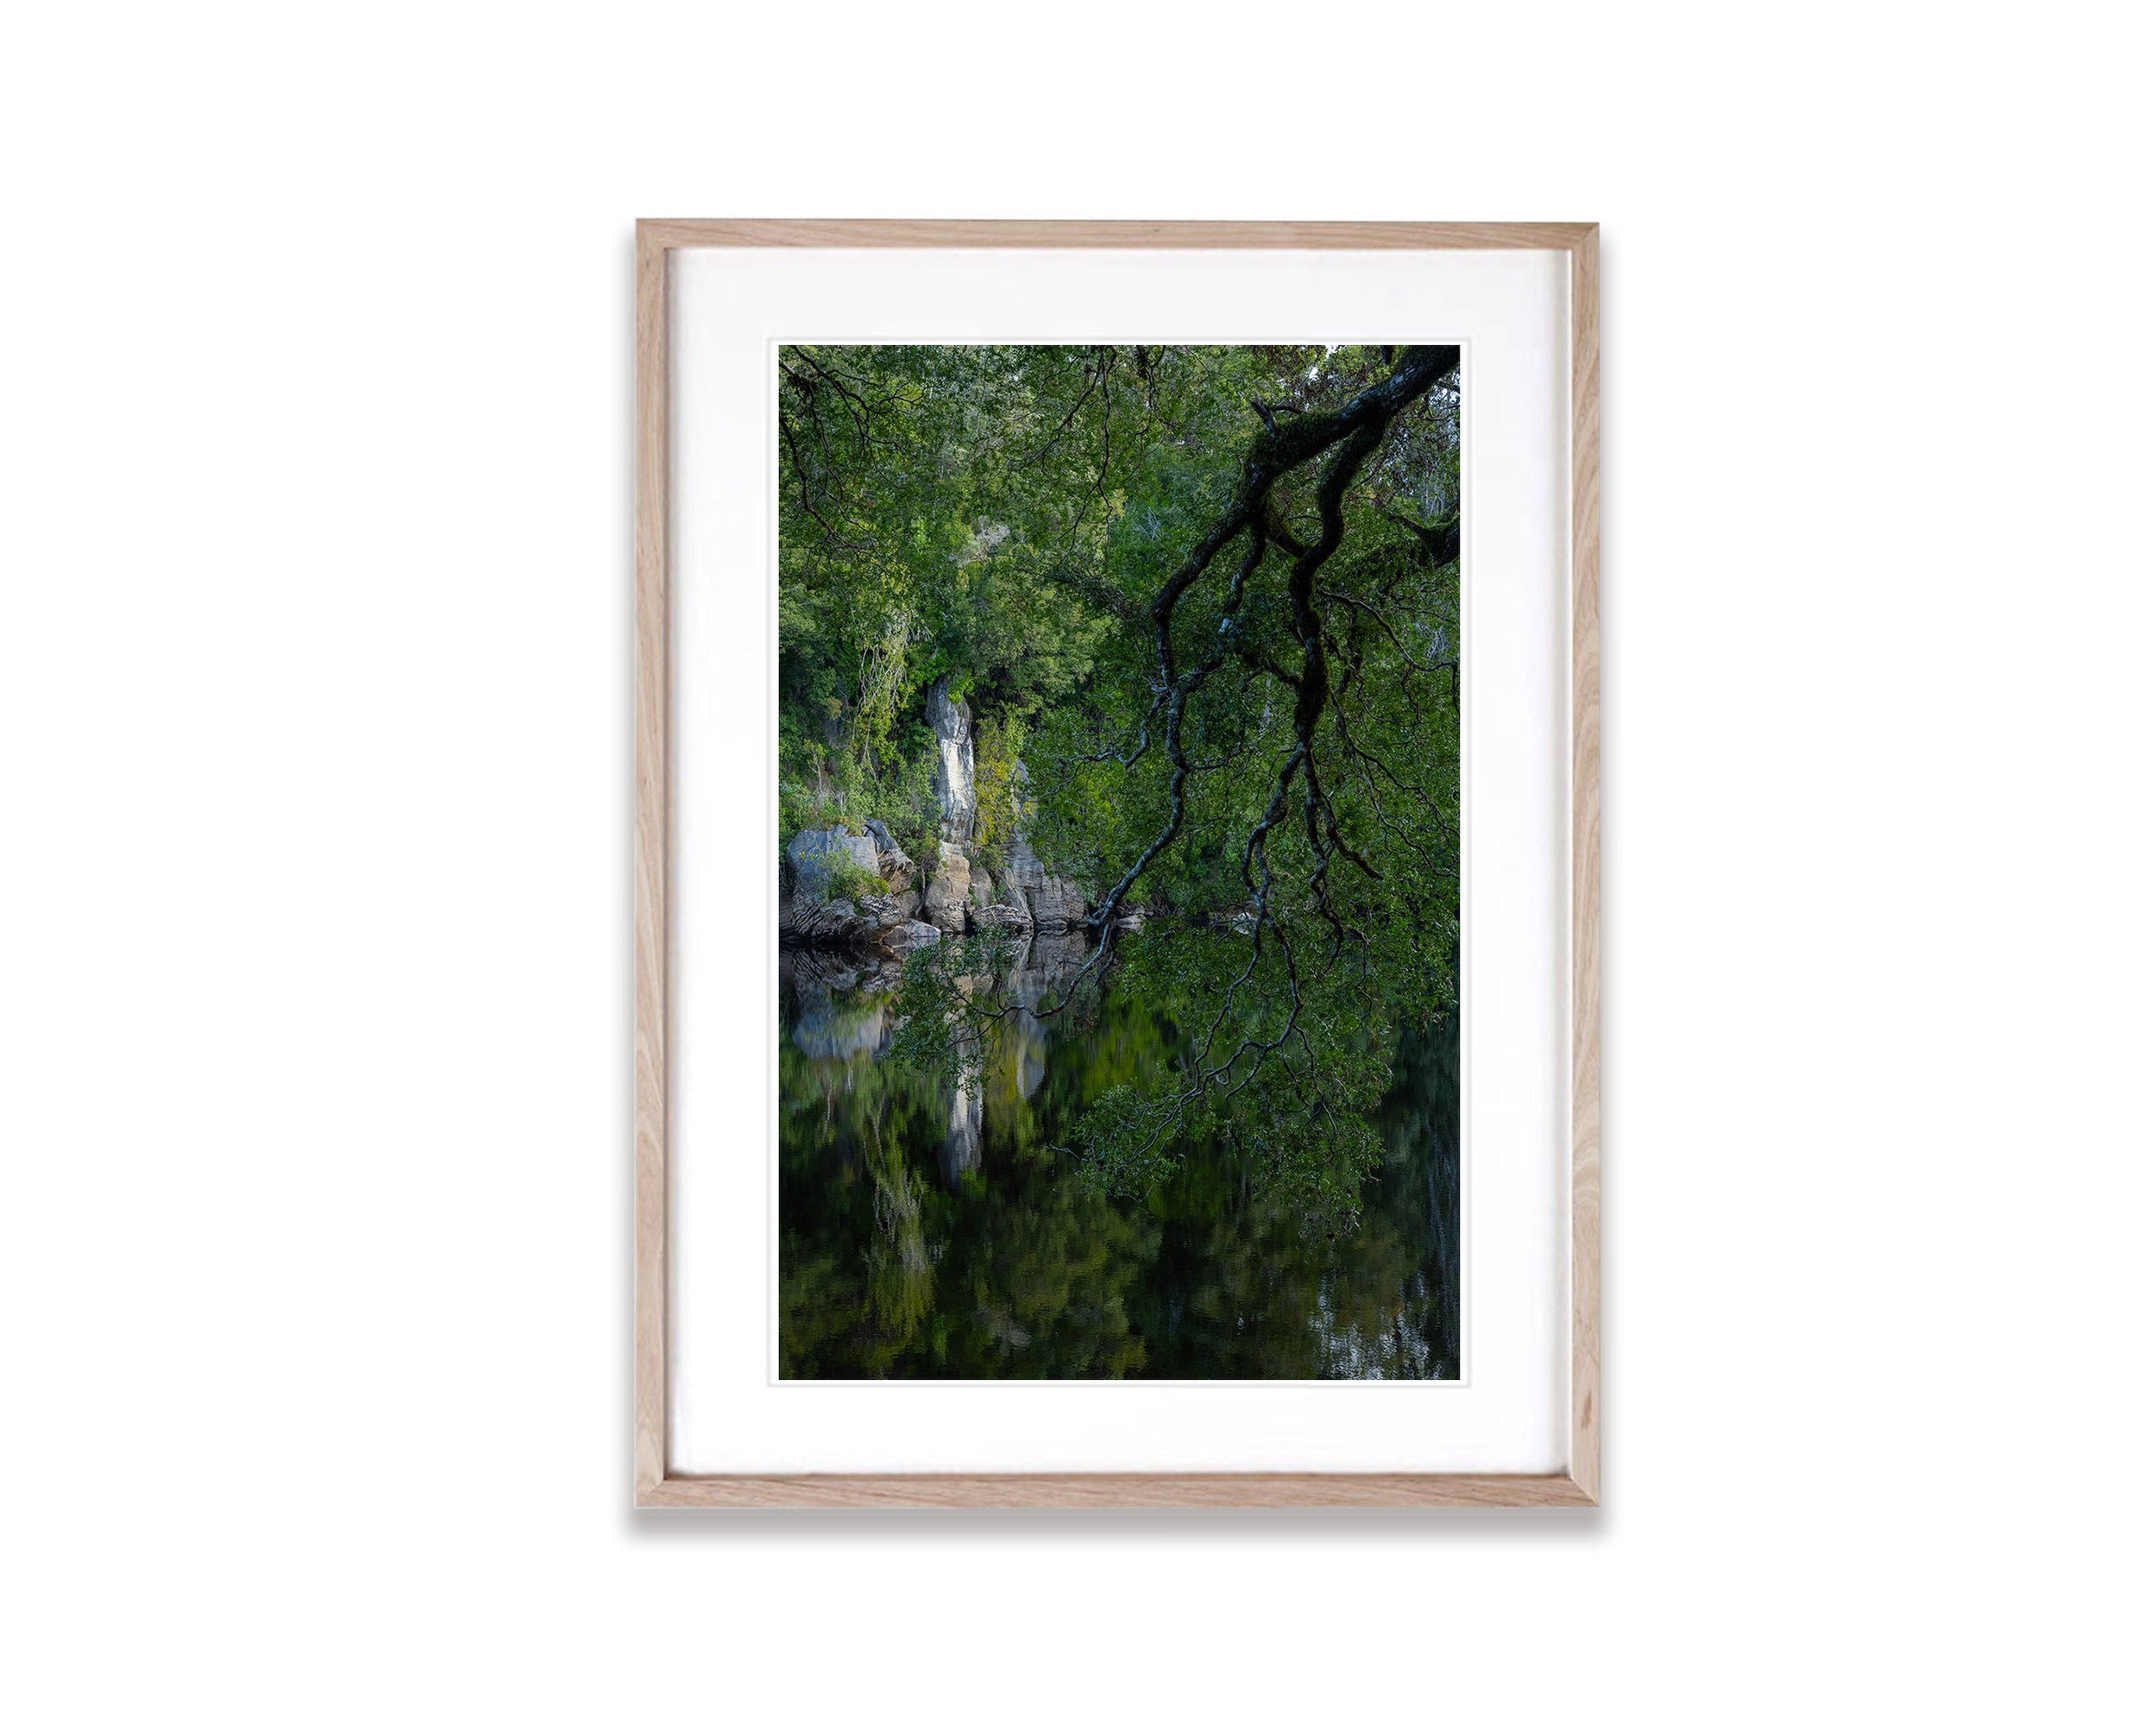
(941, 1230)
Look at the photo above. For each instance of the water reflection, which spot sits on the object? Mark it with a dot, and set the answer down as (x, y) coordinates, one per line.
(933, 1232)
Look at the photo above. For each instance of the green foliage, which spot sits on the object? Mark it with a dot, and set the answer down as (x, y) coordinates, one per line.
(1002, 808)
(820, 786)
(1260, 740)
(848, 880)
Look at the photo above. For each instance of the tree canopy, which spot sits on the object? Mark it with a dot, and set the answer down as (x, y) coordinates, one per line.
(1209, 598)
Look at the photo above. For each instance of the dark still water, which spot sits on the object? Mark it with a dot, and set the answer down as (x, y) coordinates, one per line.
(929, 1233)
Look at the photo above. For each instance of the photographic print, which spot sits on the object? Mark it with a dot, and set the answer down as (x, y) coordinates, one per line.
(1119, 785)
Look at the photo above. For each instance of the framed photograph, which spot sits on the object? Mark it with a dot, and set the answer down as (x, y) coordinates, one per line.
(1117, 849)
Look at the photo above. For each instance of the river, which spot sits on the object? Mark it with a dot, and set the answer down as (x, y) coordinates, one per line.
(929, 1232)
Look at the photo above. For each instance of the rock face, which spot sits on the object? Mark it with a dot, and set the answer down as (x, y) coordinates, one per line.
(1052, 902)
(813, 852)
(949, 888)
(982, 917)
(1056, 904)
(961, 891)
(986, 908)
(819, 915)
(891, 860)
(865, 922)
(953, 723)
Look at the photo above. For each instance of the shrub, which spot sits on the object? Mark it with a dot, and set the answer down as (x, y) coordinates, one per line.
(848, 880)
(1000, 807)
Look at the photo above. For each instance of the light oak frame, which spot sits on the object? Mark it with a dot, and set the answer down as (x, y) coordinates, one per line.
(1580, 1483)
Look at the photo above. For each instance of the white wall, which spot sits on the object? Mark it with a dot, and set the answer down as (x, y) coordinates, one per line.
(314, 391)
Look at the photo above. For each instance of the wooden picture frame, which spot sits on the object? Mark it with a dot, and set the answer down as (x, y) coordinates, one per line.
(1579, 1483)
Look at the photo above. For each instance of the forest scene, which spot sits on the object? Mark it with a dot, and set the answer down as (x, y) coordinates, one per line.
(1119, 870)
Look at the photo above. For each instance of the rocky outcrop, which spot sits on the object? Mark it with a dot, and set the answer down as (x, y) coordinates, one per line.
(990, 906)
(819, 914)
(891, 860)
(961, 890)
(1056, 904)
(953, 723)
(1051, 902)
(949, 888)
(984, 918)
(869, 921)
(814, 851)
